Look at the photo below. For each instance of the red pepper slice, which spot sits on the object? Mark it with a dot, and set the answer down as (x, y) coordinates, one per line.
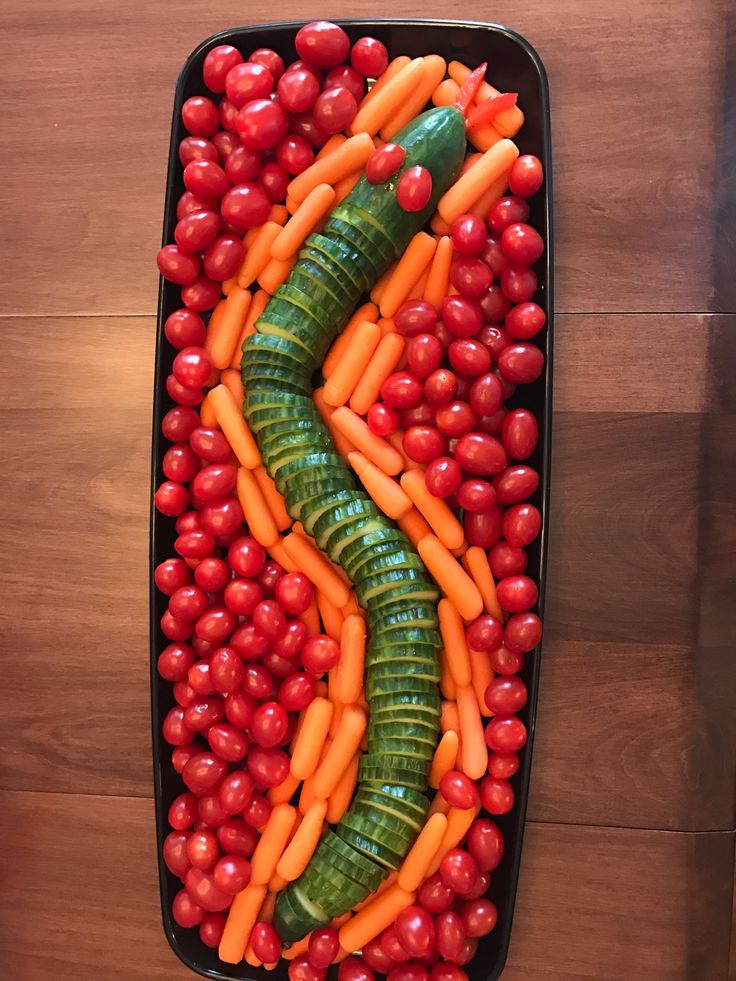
(469, 89)
(489, 109)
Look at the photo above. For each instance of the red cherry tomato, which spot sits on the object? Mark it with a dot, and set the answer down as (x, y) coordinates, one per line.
(462, 316)
(175, 853)
(493, 255)
(177, 265)
(486, 392)
(496, 796)
(454, 419)
(392, 946)
(443, 477)
(269, 766)
(202, 849)
(458, 790)
(515, 484)
(355, 969)
(228, 742)
(444, 971)
(183, 812)
(521, 524)
(294, 154)
(297, 691)
(243, 165)
(223, 257)
(270, 724)
(384, 162)
(320, 654)
(470, 276)
(369, 57)
(242, 596)
(246, 206)
(335, 109)
(304, 125)
(294, 592)
(480, 454)
(450, 935)
(521, 363)
(236, 837)
(506, 211)
(231, 874)
(322, 44)
(484, 633)
(434, 895)
(184, 328)
(228, 115)
(505, 733)
(206, 177)
(257, 812)
(523, 632)
(503, 766)
(440, 387)
(246, 556)
(298, 90)
(484, 528)
(192, 367)
(274, 180)
(469, 357)
(236, 790)
(190, 202)
(171, 498)
(517, 594)
(174, 729)
(408, 972)
(414, 189)
(174, 661)
(526, 175)
(415, 930)
(265, 942)
(269, 59)
(505, 661)
(188, 602)
(301, 970)
(485, 844)
(468, 235)
(522, 244)
(290, 643)
(184, 694)
(504, 696)
(246, 82)
(269, 576)
(180, 422)
(476, 495)
(375, 957)
(519, 283)
(479, 917)
(525, 320)
(212, 928)
(423, 354)
(421, 414)
(199, 678)
(199, 115)
(195, 231)
(199, 716)
(201, 887)
(324, 945)
(222, 518)
(458, 870)
(195, 544)
(415, 317)
(217, 64)
(494, 306)
(401, 390)
(382, 419)
(423, 443)
(204, 771)
(201, 294)
(520, 434)
(507, 560)
(185, 911)
(343, 76)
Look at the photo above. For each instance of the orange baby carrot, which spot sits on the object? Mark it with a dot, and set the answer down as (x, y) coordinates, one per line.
(374, 447)
(317, 567)
(391, 71)
(221, 340)
(271, 844)
(367, 311)
(341, 796)
(379, 287)
(414, 526)
(284, 791)
(447, 683)
(227, 284)
(481, 675)
(438, 515)
(450, 576)
(309, 214)
(438, 280)
(233, 381)
(337, 712)
(255, 309)
(509, 122)
(258, 253)
(257, 514)
(338, 921)
(342, 443)
(344, 746)
(207, 413)
(484, 137)
(417, 256)
(458, 824)
(332, 144)
(374, 917)
(292, 206)
(240, 921)
(357, 354)
(348, 679)
(250, 957)
(384, 490)
(231, 422)
(433, 71)
(344, 187)
(215, 318)
(310, 618)
(438, 806)
(279, 554)
(396, 439)
(387, 326)
(445, 93)
(298, 947)
(445, 757)
(465, 192)
(352, 607)
(385, 358)
(452, 630)
(497, 189)
(475, 561)
(308, 745)
(474, 752)
(417, 290)
(343, 160)
(300, 849)
(413, 869)
(439, 226)
(387, 102)
(276, 272)
(275, 502)
(331, 616)
(450, 717)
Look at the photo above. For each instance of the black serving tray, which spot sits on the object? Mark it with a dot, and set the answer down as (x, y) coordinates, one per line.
(515, 66)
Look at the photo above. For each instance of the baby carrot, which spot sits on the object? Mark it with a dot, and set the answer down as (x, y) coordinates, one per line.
(344, 746)
(396, 439)
(231, 422)
(438, 280)
(509, 122)
(292, 206)
(384, 490)
(348, 679)
(276, 272)
(274, 500)
(483, 205)
(379, 287)
(357, 354)
(475, 561)
(450, 576)
(337, 712)
(438, 225)
(459, 820)
(258, 253)
(414, 526)
(374, 447)
(279, 554)
(207, 414)
(474, 752)
(279, 214)
(465, 192)
(417, 256)
(344, 187)
(271, 844)
(240, 921)
(342, 443)
(387, 102)
(316, 567)
(374, 917)
(341, 796)
(438, 806)
(368, 311)
(392, 70)
(448, 688)
(413, 869)
(438, 515)
(452, 630)
(433, 71)
(309, 214)
(352, 607)
(311, 738)
(343, 160)
(300, 849)
(257, 515)
(417, 290)
(221, 340)
(227, 284)
(284, 791)
(387, 326)
(481, 675)
(298, 947)
(250, 957)
(445, 93)
(256, 308)
(310, 618)
(233, 381)
(484, 137)
(332, 144)
(331, 616)
(213, 324)
(450, 717)
(445, 757)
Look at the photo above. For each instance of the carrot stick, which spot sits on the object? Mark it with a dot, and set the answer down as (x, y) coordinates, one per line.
(344, 187)
(368, 311)
(445, 93)
(357, 354)
(279, 554)
(339, 920)
(300, 849)
(447, 683)
(343, 160)
(452, 630)
(233, 381)
(481, 675)
(450, 576)
(392, 71)
(255, 309)
(213, 324)
(207, 414)
(414, 526)
(336, 714)
(276, 272)
(465, 192)
(257, 514)
(417, 256)
(284, 791)
(438, 806)
(250, 957)
(387, 326)
(374, 447)
(274, 501)
(310, 213)
(438, 515)
(432, 74)
(445, 757)
(271, 844)
(396, 439)
(413, 869)
(438, 280)
(342, 443)
(298, 947)
(379, 287)
(341, 796)
(392, 96)
(240, 921)
(352, 607)
(459, 820)
(438, 225)
(483, 205)
(384, 490)
(484, 137)
(227, 284)
(509, 122)
(317, 568)
(348, 679)
(258, 253)
(223, 336)
(331, 616)
(374, 917)
(475, 561)
(311, 738)
(231, 422)
(474, 752)
(344, 746)
(332, 144)
(417, 290)
(310, 618)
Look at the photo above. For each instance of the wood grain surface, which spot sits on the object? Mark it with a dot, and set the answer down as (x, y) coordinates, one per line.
(627, 872)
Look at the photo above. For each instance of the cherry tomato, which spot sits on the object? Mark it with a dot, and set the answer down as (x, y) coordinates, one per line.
(369, 57)
(182, 812)
(423, 354)
(322, 44)
(301, 970)
(236, 790)
(184, 328)
(304, 125)
(355, 969)
(202, 849)
(503, 766)
(486, 392)
(223, 257)
(506, 211)
(201, 294)
(520, 434)
(423, 443)
(180, 422)
(177, 265)
(526, 175)
(228, 115)
(521, 524)
(265, 942)
(294, 154)
(468, 235)
(519, 283)
(480, 454)
(496, 796)
(174, 628)
(458, 790)
(269, 619)
(199, 115)
(415, 930)
(231, 874)
(517, 594)
(246, 556)
(494, 305)
(206, 177)
(320, 654)
(274, 180)
(454, 419)
(401, 390)
(443, 477)
(239, 709)
(217, 64)
(323, 947)
(458, 870)
(444, 971)
(462, 316)
(257, 812)
(493, 255)
(450, 935)
(269, 576)
(392, 946)
(201, 887)
(222, 518)
(415, 317)
(507, 560)
(237, 838)
(421, 414)
(335, 109)
(211, 929)
(298, 90)
(382, 419)
(475, 495)
(171, 498)
(470, 949)
(199, 678)
(515, 484)
(246, 82)
(523, 632)
(175, 853)
(469, 357)
(434, 895)
(288, 646)
(196, 148)
(383, 163)
(174, 729)
(210, 811)
(270, 723)
(485, 844)
(228, 742)
(184, 694)
(204, 771)
(188, 602)
(248, 643)
(211, 574)
(414, 189)
(174, 661)
(269, 59)
(192, 367)
(505, 661)
(525, 320)
(190, 202)
(375, 957)
(504, 696)
(522, 244)
(246, 205)
(243, 165)
(440, 387)
(294, 592)
(484, 528)
(506, 733)
(195, 231)
(521, 363)
(408, 972)
(268, 766)
(297, 691)
(203, 713)
(470, 276)
(185, 911)
(215, 624)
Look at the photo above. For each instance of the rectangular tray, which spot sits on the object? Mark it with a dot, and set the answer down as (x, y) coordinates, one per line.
(513, 66)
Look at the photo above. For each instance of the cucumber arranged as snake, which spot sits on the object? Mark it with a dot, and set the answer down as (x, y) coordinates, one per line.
(361, 238)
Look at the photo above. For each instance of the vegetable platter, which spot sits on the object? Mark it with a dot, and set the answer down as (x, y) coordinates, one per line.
(350, 488)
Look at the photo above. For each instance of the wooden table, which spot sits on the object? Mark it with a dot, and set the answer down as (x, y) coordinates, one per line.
(628, 865)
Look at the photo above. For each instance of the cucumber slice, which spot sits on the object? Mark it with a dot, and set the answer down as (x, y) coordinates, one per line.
(402, 669)
(410, 702)
(405, 615)
(369, 803)
(395, 583)
(330, 502)
(376, 259)
(382, 655)
(369, 872)
(379, 852)
(409, 749)
(345, 536)
(380, 822)
(343, 515)
(409, 636)
(342, 257)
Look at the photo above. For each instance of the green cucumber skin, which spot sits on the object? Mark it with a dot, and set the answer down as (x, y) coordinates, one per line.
(302, 321)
